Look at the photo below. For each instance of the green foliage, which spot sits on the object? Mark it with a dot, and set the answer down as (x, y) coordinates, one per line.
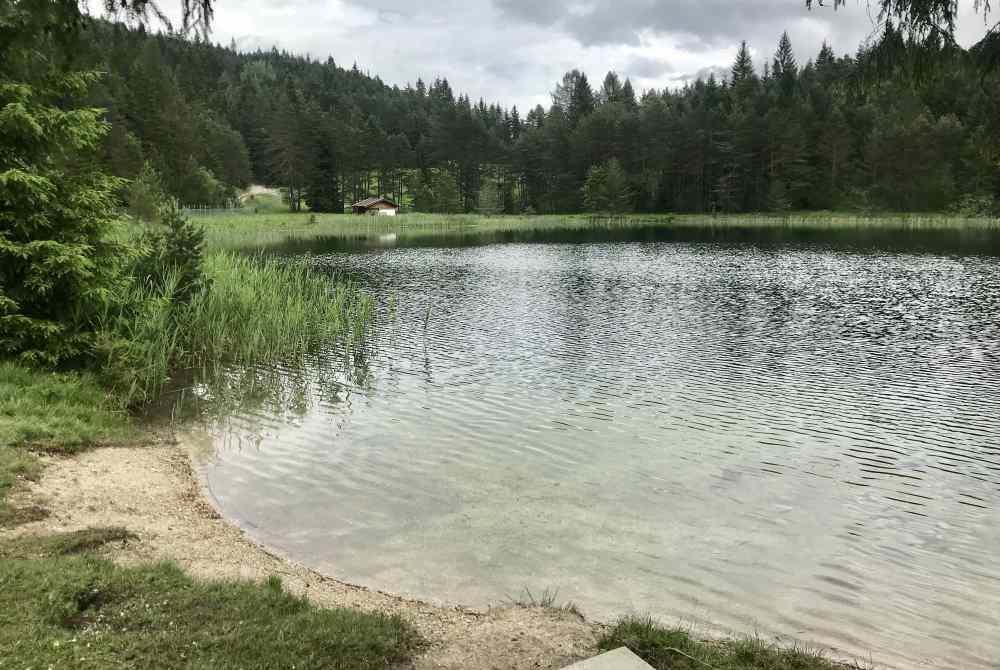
(440, 194)
(326, 134)
(156, 616)
(674, 649)
(144, 195)
(172, 253)
(977, 205)
(59, 263)
(607, 189)
(256, 311)
(489, 197)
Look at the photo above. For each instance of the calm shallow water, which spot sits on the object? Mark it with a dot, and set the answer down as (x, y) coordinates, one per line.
(792, 439)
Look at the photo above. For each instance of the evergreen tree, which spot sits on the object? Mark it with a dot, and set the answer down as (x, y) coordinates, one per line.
(607, 190)
(59, 261)
(742, 70)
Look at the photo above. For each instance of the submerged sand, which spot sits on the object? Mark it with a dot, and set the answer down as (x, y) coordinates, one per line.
(153, 492)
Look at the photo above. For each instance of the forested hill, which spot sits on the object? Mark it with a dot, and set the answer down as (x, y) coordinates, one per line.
(824, 133)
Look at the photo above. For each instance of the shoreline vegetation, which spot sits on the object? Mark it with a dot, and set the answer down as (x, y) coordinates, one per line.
(246, 230)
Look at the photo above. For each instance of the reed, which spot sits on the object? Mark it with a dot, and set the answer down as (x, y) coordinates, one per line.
(255, 311)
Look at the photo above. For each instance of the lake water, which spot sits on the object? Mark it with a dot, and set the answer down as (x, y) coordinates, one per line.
(801, 440)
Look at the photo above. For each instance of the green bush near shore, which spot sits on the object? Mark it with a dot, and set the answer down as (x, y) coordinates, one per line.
(63, 608)
(675, 649)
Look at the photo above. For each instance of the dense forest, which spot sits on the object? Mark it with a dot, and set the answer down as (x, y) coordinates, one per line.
(844, 132)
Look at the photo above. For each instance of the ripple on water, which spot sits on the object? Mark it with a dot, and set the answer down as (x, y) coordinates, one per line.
(798, 441)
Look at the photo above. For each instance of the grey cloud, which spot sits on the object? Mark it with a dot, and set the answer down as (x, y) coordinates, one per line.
(704, 23)
(647, 68)
(540, 12)
(508, 71)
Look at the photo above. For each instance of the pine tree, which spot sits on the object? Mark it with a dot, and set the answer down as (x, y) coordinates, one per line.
(784, 58)
(742, 70)
(59, 261)
(628, 96)
(611, 89)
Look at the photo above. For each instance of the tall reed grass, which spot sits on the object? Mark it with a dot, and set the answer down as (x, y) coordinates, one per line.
(254, 311)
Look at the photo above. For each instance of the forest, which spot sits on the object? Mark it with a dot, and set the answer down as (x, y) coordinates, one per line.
(850, 132)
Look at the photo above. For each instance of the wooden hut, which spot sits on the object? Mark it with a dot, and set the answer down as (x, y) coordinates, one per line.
(375, 206)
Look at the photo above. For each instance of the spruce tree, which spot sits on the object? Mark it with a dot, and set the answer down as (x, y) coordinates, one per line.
(59, 261)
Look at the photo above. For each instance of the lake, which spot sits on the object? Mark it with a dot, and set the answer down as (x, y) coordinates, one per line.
(798, 438)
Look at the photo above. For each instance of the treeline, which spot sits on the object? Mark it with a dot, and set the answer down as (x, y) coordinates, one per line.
(834, 132)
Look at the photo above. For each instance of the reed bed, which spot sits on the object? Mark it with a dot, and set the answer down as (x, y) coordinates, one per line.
(255, 311)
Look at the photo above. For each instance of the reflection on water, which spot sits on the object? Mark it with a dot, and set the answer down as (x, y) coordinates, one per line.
(790, 439)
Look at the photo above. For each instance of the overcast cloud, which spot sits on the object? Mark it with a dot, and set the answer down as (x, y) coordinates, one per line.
(513, 51)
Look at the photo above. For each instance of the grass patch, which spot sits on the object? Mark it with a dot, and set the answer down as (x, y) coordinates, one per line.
(62, 412)
(17, 464)
(62, 544)
(674, 649)
(79, 611)
(55, 412)
(545, 599)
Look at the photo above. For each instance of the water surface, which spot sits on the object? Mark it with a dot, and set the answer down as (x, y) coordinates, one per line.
(797, 439)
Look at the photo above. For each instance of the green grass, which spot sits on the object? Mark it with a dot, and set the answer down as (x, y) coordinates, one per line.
(62, 544)
(62, 412)
(257, 311)
(65, 609)
(674, 649)
(53, 412)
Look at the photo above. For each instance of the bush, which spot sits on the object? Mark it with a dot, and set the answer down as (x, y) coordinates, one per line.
(172, 253)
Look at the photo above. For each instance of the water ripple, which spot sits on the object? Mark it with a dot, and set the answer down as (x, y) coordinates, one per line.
(795, 440)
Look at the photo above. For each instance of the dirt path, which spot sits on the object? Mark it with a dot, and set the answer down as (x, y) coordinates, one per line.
(152, 491)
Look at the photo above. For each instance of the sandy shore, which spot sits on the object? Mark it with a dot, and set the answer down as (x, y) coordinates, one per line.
(153, 492)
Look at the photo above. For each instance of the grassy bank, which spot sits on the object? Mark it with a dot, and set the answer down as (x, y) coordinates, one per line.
(62, 606)
(245, 230)
(675, 649)
(49, 412)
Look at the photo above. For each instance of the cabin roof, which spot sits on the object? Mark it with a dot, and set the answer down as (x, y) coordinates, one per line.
(368, 202)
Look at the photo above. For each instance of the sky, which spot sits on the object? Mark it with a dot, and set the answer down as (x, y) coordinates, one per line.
(514, 51)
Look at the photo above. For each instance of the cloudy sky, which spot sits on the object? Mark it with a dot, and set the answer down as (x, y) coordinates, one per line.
(513, 51)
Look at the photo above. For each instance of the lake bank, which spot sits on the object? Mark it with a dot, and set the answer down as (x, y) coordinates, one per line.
(121, 522)
(151, 491)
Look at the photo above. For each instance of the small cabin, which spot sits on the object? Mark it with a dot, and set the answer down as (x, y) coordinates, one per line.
(375, 207)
